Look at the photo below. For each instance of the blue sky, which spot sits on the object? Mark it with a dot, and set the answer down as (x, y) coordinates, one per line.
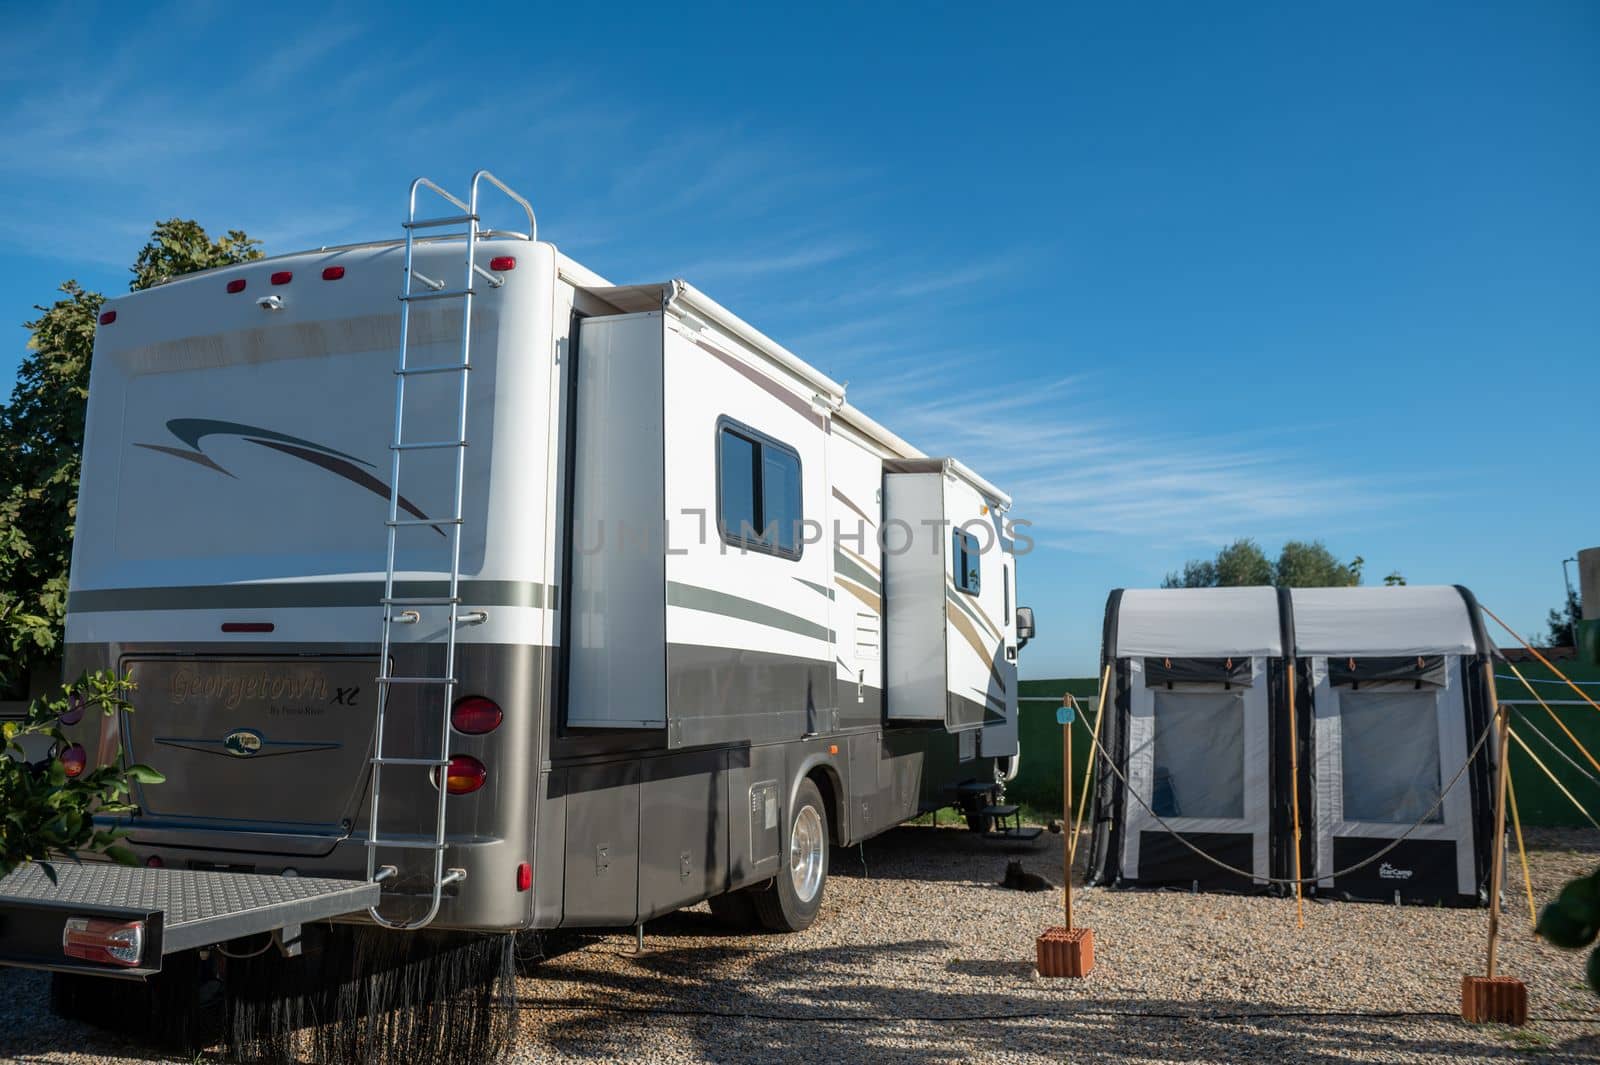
(1170, 273)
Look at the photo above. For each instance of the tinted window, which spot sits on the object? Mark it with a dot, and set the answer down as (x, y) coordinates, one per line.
(736, 505)
(759, 499)
(964, 561)
(1005, 589)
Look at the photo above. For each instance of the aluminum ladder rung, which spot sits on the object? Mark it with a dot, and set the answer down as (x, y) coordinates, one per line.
(442, 294)
(448, 681)
(427, 445)
(406, 523)
(405, 844)
(419, 371)
(430, 223)
(420, 600)
(431, 762)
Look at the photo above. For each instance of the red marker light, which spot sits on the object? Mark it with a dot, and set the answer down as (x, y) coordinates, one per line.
(463, 776)
(475, 715)
(524, 876)
(107, 317)
(108, 942)
(155, 862)
(236, 285)
(282, 277)
(332, 273)
(74, 760)
(502, 263)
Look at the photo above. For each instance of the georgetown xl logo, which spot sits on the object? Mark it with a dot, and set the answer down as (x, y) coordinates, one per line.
(242, 743)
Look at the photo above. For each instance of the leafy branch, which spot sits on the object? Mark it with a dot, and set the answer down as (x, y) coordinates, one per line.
(49, 807)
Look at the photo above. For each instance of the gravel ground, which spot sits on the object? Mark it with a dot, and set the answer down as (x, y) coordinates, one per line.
(917, 957)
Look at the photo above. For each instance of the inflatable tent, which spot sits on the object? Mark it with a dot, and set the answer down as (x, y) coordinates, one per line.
(1390, 699)
(1396, 683)
(1197, 680)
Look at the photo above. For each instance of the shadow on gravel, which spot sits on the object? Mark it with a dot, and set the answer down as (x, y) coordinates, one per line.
(752, 1012)
(921, 852)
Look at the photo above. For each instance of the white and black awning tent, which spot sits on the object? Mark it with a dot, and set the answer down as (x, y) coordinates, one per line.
(1396, 685)
(1197, 674)
(1390, 698)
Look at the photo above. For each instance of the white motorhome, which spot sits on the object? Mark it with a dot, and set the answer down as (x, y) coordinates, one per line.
(658, 608)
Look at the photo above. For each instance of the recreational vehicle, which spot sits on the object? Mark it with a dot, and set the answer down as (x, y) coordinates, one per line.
(520, 601)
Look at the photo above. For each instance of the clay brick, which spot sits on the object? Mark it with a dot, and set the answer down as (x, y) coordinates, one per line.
(1063, 952)
(1494, 1000)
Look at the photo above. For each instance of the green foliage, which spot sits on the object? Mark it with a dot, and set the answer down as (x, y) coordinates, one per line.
(1563, 623)
(180, 246)
(1572, 922)
(1300, 564)
(1395, 579)
(46, 813)
(41, 446)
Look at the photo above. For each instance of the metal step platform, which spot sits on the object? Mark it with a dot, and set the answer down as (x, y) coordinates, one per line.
(114, 920)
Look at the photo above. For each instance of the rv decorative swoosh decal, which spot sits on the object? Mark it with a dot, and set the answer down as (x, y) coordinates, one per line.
(193, 430)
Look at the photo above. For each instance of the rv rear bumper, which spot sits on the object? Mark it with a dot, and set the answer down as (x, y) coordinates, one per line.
(109, 920)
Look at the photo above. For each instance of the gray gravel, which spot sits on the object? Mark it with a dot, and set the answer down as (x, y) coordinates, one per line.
(919, 958)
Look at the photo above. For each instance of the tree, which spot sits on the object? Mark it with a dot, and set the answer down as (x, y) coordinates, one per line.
(1312, 565)
(49, 810)
(1564, 622)
(1395, 579)
(1300, 564)
(41, 445)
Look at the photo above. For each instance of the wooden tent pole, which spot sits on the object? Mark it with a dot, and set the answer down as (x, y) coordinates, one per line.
(1294, 792)
(1498, 873)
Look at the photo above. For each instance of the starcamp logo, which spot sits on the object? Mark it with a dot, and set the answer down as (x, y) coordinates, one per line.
(1389, 872)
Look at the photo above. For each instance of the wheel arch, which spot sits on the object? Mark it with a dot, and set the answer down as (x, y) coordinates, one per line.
(825, 775)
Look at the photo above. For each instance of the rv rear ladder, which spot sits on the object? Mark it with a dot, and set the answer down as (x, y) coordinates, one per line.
(450, 527)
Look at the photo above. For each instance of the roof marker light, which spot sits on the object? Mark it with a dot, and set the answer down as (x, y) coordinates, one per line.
(282, 277)
(502, 263)
(247, 626)
(107, 317)
(236, 285)
(332, 273)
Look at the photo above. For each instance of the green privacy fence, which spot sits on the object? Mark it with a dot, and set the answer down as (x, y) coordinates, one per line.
(1539, 799)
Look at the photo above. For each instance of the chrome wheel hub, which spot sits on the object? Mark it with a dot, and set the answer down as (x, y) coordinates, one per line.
(806, 855)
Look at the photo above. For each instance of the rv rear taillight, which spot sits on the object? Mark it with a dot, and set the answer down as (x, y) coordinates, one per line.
(74, 711)
(332, 273)
(107, 317)
(475, 715)
(155, 861)
(464, 775)
(502, 263)
(108, 942)
(236, 285)
(282, 277)
(74, 760)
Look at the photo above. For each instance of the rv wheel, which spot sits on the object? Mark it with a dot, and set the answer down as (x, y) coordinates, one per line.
(791, 901)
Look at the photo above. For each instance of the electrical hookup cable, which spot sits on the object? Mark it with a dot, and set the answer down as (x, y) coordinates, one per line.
(1220, 1017)
(1472, 755)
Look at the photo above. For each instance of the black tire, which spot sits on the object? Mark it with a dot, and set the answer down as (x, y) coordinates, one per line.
(780, 906)
(734, 910)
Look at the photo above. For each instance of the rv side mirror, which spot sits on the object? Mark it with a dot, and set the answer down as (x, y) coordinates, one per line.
(1024, 626)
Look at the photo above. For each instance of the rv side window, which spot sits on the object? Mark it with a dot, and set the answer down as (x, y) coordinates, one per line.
(964, 561)
(758, 491)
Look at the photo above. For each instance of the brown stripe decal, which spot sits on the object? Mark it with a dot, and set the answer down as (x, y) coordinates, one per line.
(841, 497)
(860, 593)
(766, 384)
(964, 626)
(972, 609)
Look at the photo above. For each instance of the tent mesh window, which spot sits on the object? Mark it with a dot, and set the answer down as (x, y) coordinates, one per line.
(1199, 754)
(1390, 756)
